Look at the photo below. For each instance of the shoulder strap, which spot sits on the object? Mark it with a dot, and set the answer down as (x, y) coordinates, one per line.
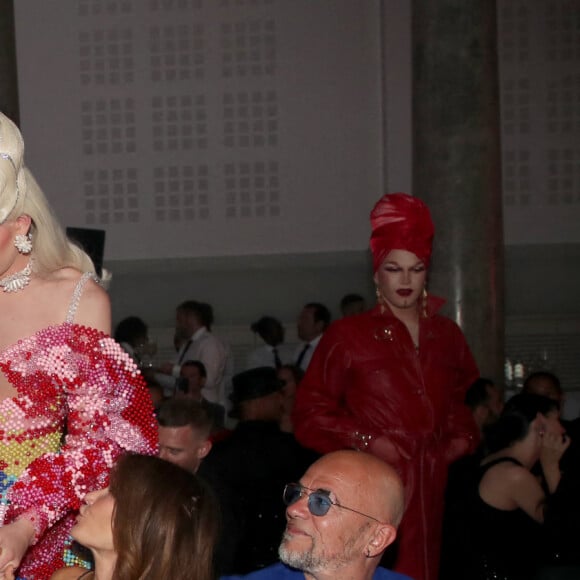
(76, 295)
(489, 465)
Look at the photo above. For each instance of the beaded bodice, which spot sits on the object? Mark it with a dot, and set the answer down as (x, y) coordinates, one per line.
(73, 379)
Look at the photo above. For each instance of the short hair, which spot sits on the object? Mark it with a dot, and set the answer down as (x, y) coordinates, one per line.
(130, 329)
(477, 394)
(269, 328)
(349, 299)
(514, 422)
(164, 523)
(321, 313)
(184, 412)
(538, 375)
(198, 365)
(202, 310)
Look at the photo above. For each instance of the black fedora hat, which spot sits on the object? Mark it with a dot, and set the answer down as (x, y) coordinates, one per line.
(255, 383)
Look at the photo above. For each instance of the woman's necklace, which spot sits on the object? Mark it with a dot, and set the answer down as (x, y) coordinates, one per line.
(18, 280)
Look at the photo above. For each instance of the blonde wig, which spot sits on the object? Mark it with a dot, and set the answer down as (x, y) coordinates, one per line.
(20, 195)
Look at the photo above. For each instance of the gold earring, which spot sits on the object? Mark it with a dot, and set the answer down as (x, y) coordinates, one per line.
(380, 299)
(424, 297)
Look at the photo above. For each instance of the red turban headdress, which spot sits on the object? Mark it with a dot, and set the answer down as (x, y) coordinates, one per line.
(401, 222)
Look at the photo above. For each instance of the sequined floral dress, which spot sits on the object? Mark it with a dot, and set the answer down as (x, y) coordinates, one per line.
(79, 380)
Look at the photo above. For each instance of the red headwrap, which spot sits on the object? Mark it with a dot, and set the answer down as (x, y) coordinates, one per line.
(401, 222)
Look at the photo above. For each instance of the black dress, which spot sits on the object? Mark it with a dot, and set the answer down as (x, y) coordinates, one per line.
(490, 543)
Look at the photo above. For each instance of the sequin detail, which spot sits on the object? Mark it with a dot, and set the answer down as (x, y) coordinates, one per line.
(76, 297)
(79, 377)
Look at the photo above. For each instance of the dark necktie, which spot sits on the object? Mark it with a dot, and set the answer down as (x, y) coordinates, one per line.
(302, 354)
(277, 361)
(182, 355)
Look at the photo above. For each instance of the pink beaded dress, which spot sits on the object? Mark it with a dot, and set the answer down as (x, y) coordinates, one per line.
(80, 403)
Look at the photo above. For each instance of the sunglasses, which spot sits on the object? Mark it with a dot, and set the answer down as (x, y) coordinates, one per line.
(319, 501)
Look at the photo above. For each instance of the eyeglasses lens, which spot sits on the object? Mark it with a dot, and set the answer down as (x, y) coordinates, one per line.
(292, 494)
(318, 502)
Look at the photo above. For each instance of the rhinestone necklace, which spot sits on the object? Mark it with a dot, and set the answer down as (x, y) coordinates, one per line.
(18, 280)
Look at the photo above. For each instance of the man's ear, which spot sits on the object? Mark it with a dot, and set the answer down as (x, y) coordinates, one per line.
(383, 536)
(204, 449)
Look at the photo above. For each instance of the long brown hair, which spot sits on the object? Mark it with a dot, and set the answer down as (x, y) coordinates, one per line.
(165, 521)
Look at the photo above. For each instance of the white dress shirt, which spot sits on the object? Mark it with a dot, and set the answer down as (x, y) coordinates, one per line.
(308, 354)
(263, 356)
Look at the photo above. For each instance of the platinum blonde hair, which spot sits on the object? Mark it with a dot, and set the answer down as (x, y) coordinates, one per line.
(20, 195)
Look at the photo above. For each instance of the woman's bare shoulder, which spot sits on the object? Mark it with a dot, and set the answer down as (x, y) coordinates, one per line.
(69, 573)
(507, 478)
(94, 306)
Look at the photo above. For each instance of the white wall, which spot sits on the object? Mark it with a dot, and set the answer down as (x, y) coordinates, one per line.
(328, 139)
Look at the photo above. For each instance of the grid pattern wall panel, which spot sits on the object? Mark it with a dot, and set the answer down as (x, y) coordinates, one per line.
(204, 127)
(181, 193)
(177, 53)
(111, 196)
(539, 58)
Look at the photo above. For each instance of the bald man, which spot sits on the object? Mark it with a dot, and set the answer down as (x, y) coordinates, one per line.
(341, 517)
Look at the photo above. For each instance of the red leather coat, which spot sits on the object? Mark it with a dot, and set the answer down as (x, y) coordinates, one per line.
(367, 387)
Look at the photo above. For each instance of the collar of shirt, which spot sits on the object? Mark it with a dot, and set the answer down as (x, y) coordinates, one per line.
(199, 333)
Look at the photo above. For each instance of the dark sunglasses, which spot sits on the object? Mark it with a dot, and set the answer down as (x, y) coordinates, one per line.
(319, 501)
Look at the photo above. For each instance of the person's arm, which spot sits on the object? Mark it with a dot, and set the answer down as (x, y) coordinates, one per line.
(212, 354)
(553, 447)
(526, 492)
(321, 419)
(109, 411)
(15, 539)
(94, 309)
(460, 429)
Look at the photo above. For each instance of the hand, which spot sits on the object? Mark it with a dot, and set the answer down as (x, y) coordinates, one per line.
(456, 448)
(15, 538)
(388, 451)
(9, 573)
(553, 447)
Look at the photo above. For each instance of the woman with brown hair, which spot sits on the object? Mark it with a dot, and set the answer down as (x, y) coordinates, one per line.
(155, 521)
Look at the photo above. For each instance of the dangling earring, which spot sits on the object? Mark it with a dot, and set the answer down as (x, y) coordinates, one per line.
(380, 299)
(424, 297)
(23, 243)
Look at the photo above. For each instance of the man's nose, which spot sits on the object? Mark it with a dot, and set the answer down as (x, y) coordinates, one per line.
(298, 509)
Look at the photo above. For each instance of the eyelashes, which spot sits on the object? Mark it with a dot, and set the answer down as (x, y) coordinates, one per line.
(416, 270)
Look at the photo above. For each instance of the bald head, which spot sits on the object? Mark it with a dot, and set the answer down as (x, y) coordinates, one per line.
(357, 522)
(368, 482)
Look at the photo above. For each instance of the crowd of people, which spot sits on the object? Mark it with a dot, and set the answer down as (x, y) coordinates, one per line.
(374, 444)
